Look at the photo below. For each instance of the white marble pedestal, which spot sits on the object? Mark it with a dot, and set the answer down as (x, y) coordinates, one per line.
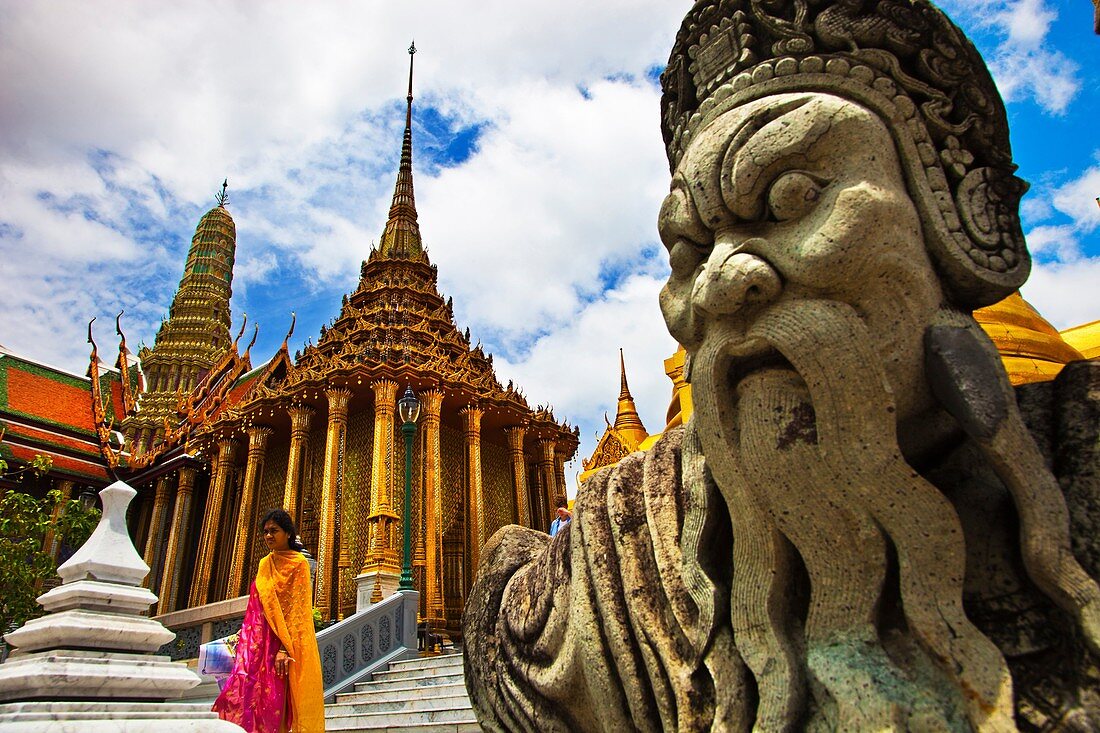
(104, 717)
(365, 583)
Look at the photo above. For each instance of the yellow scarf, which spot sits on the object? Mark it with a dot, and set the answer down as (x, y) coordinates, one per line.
(282, 583)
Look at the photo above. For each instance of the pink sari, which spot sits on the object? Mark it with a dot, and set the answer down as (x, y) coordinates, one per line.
(253, 697)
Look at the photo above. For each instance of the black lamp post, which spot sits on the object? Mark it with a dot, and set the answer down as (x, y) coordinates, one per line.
(408, 407)
(88, 498)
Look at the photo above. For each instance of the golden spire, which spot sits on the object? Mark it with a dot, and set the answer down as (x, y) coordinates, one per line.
(626, 417)
(401, 237)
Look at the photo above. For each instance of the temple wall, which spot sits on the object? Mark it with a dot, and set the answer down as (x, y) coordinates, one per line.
(312, 478)
(270, 496)
(500, 496)
(354, 505)
(192, 533)
(452, 447)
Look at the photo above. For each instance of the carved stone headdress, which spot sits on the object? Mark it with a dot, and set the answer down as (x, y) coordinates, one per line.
(907, 62)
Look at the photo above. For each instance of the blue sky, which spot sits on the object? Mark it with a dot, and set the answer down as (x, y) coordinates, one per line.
(538, 165)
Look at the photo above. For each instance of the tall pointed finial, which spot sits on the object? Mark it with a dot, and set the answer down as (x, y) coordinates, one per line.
(223, 197)
(293, 320)
(412, 50)
(401, 237)
(626, 417)
(624, 390)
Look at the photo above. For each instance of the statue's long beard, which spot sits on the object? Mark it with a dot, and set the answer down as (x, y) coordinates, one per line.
(804, 450)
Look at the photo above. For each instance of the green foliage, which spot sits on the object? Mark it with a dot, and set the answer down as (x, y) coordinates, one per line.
(317, 620)
(25, 524)
(40, 466)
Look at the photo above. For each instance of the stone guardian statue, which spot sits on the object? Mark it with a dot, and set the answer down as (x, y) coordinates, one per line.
(801, 556)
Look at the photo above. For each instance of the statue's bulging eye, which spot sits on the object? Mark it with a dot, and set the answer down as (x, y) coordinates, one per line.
(684, 257)
(793, 195)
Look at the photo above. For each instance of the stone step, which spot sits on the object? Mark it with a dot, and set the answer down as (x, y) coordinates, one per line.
(425, 703)
(469, 726)
(397, 720)
(443, 660)
(425, 694)
(410, 683)
(366, 692)
(416, 674)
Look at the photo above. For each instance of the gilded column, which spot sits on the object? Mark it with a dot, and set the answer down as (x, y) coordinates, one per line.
(173, 554)
(519, 474)
(208, 537)
(200, 584)
(156, 527)
(546, 475)
(50, 545)
(559, 474)
(253, 474)
(475, 521)
(432, 401)
(382, 564)
(335, 439)
(300, 418)
(146, 440)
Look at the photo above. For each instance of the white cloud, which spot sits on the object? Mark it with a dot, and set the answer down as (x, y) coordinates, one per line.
(1062, 285)
(1059, 241)
(1065, 293)
(576, 367)
(1024, 64)
(1077, 200)
(1027, 22)
(563, 184)
(1049, 77)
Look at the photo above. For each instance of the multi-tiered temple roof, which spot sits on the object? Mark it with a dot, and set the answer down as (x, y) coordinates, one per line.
(216, 442)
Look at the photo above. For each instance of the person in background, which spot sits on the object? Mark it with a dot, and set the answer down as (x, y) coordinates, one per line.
(275, 684)
(563, 518)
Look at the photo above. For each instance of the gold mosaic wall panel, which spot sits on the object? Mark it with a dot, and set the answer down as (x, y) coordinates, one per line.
(312, 477)
(496, 477)
(452, 446)
(270, 496)
(355, 503)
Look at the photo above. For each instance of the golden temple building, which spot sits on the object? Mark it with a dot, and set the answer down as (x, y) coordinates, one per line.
(621, 438)
(216, 443)
(1031, 349)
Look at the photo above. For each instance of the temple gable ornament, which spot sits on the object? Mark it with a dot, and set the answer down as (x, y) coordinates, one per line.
(816, 548)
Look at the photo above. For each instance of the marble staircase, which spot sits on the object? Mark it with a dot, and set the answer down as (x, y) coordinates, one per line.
(424, 695)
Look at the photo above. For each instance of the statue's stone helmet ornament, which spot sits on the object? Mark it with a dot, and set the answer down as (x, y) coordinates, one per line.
(905, 61)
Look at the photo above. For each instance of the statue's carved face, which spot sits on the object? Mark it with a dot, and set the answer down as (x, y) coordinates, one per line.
(802, 291)
(797, 196)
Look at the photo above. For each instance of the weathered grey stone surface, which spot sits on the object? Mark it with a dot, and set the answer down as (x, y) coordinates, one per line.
(856, 531)
(1056, 679)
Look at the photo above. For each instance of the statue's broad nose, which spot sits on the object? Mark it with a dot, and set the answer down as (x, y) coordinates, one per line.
(731, 280)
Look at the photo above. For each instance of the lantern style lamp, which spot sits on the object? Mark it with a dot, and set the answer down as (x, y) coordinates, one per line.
(408, 408)
(88, 498)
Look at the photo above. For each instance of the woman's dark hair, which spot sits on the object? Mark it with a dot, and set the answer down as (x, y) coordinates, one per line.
(282, 518)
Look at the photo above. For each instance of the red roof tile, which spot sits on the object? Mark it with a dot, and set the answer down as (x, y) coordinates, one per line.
(38, 435)
(61, 463)
(50, 400)
(117, 404)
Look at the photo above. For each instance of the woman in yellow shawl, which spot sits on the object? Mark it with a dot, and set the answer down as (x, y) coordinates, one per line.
(275, 685)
